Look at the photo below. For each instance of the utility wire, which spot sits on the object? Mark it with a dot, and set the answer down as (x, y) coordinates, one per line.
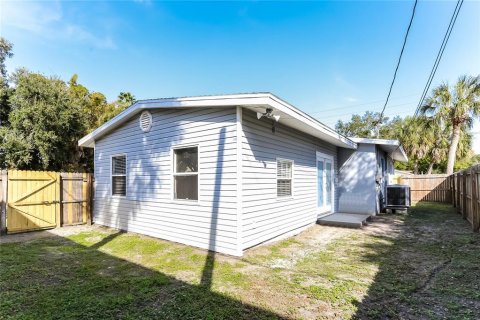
(399, 60)
(439, 54)
(360, 104)
(320, 115)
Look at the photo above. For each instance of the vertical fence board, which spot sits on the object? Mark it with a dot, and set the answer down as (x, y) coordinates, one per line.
(90, 193)
(434, 188)
(474, 200)
(464, 196)
(58, 195)
(3, 202)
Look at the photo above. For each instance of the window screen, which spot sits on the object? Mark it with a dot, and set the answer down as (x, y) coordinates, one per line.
(284, 178)
(185, 180)
(119, 175)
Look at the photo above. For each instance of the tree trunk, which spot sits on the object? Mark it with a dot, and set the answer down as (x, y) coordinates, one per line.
(452, 151)
(430, 168)
(415, 167)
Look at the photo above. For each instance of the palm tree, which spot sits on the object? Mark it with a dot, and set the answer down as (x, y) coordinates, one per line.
(413, 140)
(457, 106)
(126, 98)
(435, 136)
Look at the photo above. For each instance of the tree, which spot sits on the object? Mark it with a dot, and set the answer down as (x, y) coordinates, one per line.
(412, 138)
(5, 52)
(45, 125)
(436, 139)
(94, 105)
(5, 94)
(457, 107)
(362, 126)
(126, 99)
(5, 90)
(42, 118)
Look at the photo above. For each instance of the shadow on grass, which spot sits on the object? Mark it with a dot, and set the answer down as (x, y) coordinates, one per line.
(58, 278)
(428, 270)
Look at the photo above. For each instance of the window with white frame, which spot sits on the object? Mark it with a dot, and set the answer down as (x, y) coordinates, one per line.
(119, 175)
(284, 178)
(185, 173)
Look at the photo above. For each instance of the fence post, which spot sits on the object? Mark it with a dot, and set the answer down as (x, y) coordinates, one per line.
(459, 191)
(454, 194)
(475, 207)
(464, 195)
(58, 196)
(3, 202)
(89, 193)
(451, 183)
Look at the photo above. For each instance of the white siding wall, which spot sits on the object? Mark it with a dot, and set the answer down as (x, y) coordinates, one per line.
(148, 207)
(264, 215)
(356, 180)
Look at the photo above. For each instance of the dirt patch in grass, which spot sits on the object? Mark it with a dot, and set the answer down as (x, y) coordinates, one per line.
(429, 271)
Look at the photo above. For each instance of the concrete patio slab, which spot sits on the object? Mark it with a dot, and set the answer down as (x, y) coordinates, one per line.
(349, 220)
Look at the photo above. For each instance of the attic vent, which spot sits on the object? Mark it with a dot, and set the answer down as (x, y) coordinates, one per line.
(145, 121)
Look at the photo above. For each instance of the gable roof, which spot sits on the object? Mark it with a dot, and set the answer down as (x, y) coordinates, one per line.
(392, 147)
(258, 102)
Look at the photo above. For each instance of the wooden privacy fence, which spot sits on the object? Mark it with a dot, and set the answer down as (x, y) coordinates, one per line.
(466, 197)
(461, 189)
(432, 187)
(36, 200)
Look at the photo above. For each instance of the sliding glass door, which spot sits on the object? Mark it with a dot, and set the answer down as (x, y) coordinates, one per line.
(325, 183)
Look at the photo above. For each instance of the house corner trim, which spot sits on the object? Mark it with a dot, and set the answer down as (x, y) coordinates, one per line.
(239, 181)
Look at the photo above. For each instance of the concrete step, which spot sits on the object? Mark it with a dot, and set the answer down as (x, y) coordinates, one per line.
(348, 220)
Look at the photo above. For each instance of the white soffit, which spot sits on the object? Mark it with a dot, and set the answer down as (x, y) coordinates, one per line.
(392, 147)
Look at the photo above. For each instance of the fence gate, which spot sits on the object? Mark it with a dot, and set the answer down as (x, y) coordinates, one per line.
(33, 200)
(75, 198)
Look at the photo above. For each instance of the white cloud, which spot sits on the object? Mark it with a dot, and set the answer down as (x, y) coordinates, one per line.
(350, 99)
(46, 20)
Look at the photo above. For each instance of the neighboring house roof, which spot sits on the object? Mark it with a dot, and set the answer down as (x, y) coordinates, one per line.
(258, 102)
(392, 147)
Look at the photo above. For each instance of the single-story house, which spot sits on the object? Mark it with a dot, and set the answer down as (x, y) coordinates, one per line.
(226, 173)
(363, 174)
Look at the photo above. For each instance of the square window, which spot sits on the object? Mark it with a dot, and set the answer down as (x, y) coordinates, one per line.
(186, 160)
(186, 187)
(185, 176)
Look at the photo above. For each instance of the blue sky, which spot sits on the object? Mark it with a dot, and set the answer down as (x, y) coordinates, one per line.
(330, 59)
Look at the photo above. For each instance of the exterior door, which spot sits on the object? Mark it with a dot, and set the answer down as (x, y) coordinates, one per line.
(325, 185)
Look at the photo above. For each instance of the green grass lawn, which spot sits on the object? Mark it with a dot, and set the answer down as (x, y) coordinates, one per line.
(424, 264)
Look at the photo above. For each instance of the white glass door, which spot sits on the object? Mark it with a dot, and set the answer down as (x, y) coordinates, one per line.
(325, 183)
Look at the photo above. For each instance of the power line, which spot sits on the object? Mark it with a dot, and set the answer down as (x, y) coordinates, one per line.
(332, 124)
(322, 111)
(360, 113)
(440, 54)
(361, 104)
(316, 114)
(399, 58)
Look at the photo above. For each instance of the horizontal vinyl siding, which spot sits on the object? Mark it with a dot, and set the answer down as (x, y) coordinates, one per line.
(356, 180)
(148, 208)
(264, 215)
